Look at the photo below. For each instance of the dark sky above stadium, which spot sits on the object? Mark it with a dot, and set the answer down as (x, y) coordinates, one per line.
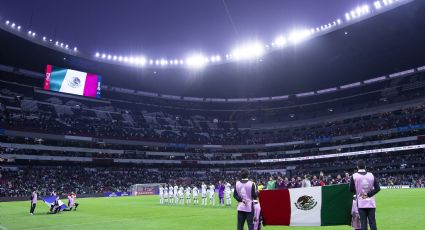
(169, 28)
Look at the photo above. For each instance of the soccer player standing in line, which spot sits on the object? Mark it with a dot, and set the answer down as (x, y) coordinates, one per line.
(195, 193)
(212, 194)
(161, 195)
(176, 195)
(221, 193)
(204, 193)
(34, 198)
(227, 193)
(245, 193)
(171, 195)
(365, 186)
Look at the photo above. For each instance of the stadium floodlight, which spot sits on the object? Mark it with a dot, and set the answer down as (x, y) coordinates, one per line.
(151, 62)
(248, 51)
(196, 61)
(163, 62)
(109, 57)
(61, 45)
(377, 5)
(140, 61)
(103, 56)
(13, 25)
(19, 27)
(298, 36)
(66, 46)
(44, 38)
(338, 21)
(29, 32)
(280, 41)
(120, 58)
(97, 54)
(33, 34)
(347, 17)
(365, 9)
(181, 62)
(114, 58)
(75, 49)
(157, 62)
(7, 22)
(176, 62)
(125, 59)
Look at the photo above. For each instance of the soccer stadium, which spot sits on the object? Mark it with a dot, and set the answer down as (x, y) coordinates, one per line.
(187, 115)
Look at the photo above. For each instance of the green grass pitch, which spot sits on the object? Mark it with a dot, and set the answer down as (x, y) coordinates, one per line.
(397, 209)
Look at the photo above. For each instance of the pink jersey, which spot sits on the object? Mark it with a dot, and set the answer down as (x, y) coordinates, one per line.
(355, 218)
(364, 185)
(34, 198)
(71, 201)
(257, 213)
(244, 191)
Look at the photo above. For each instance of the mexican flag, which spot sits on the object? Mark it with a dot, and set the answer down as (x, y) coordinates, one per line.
(314, 206)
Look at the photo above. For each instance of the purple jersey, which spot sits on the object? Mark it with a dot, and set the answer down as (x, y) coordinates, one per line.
(221, 190)
(315, 182)
(364, 185)
(244, 191)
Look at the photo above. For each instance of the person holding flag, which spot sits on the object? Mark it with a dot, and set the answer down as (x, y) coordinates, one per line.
(71, 202)
(245, 193)
(34, 198)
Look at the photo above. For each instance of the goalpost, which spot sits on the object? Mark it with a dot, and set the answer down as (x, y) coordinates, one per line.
(145, 189)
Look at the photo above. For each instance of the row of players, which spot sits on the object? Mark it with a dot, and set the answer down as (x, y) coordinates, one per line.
(169, 194)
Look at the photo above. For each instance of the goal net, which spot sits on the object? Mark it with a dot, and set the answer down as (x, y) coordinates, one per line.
(145, 189)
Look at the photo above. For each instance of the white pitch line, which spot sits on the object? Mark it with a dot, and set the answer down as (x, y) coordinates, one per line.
(71, 225)
(3, 227)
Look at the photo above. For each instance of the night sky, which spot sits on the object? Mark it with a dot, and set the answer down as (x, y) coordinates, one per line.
(169, 28)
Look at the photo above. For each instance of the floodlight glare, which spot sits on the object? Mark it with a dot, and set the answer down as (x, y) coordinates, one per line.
(298, 36)
(248, 51)
(109, 57)
(377, 5)
(103, 56)
(280, 41)
(115, 58)
(19, 27)
(196, 61)
(13, 25)
(97, 55)
(7, 22)
(120, 58)
(75, 49)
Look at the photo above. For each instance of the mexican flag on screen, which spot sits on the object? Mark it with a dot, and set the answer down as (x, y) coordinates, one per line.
(314, 206)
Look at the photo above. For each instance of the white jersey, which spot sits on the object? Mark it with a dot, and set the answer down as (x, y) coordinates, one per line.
(187, 191)
(212, 191)
(204, 190)
(195, 192)
(170, 192)
(176, 189)
(161, 191)
(181, 192)
(227, 190)
(165, 192)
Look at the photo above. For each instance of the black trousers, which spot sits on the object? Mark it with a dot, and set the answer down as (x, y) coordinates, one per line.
(367, 214)
(248, 217)
(32, 208)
